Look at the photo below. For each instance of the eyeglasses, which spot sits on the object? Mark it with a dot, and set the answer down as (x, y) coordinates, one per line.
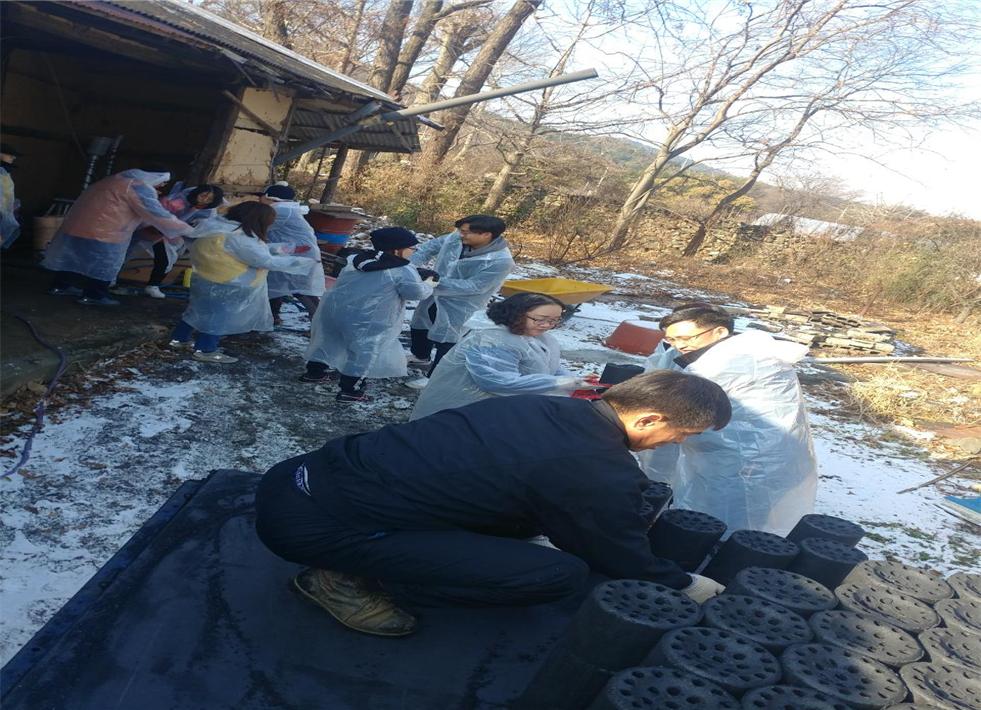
(539, 320)
(685, 339)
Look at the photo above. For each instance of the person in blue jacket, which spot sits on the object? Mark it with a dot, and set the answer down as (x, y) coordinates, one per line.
(434, 511)
(472, 263)
(356, 328)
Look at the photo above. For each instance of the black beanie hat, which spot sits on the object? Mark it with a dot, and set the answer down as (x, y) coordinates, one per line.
(390, 238)
(280, 191)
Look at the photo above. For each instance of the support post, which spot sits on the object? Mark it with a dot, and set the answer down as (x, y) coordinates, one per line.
(334, 176)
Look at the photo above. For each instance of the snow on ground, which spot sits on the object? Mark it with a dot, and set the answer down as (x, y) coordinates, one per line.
(101, 468)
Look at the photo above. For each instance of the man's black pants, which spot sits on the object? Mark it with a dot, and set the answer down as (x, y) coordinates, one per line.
(424, 567)
(422, 347)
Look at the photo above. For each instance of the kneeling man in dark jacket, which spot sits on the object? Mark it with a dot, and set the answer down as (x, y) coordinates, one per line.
(433, 511)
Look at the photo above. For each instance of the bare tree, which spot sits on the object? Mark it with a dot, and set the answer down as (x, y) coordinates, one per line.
(473, 80)
(743, 63)
(457, 39)
(390, 42)
(432, 12)
(274, 22)
(352, 39)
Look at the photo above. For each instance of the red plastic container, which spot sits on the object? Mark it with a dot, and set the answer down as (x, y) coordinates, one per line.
(635, 337)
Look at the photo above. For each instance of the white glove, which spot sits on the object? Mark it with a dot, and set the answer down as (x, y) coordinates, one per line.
(702, 588)
(431, 281)
(567, 383)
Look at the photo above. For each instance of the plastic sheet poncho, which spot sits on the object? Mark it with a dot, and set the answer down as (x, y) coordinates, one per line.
(759, 472)
(356, 327)
(178, 205)
(9, 227)
(292, 229)
(465, 284)
(95, 236)
(228, 285)
(493, 362)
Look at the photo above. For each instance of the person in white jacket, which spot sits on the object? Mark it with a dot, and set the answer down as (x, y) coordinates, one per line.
(356, 328)
(228, 295)
(472, 263)
(292, 229)
(509, 352)
(759, 472)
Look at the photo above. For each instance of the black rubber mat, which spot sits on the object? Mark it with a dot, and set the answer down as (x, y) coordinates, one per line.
(203, 617)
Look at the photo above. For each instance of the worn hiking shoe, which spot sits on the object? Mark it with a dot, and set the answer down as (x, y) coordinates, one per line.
(347, 599)
(181, 344)
(215, 357)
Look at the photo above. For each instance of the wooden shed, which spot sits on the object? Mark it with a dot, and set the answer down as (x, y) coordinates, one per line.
(183, 88)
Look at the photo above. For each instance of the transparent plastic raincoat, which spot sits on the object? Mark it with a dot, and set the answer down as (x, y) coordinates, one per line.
(290, 228)
(356, 327)
(465, 284)
(95, 236)
(759, 472)
(9, 227)
(228, 285)
(177, 204)
(491, 361)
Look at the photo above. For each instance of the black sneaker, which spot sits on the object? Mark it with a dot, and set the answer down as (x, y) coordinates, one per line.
(351, 397)
(318, 379)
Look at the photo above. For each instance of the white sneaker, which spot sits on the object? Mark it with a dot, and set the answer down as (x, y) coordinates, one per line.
(216, 357)
(182, 344)
(418, 361)
(154, 292)
(418, 383)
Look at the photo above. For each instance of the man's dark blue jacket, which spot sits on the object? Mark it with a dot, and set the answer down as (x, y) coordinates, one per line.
(558, 465)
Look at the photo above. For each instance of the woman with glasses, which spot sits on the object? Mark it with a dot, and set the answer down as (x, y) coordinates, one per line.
(515, 355)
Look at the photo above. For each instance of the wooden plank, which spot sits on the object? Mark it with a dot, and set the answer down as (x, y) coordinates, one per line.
(961, 372)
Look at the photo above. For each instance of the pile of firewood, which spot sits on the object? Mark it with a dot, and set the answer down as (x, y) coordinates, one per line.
(823, 329)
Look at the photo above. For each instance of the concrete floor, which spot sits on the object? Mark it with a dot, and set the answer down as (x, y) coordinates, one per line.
(84, 333)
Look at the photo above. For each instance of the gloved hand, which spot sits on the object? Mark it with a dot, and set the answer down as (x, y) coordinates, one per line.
(702, 588)
(567, 382)
(427, 275)
(431, 281)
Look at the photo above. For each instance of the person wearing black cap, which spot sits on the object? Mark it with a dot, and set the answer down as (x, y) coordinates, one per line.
(298, 238)
(356, 328)
(9, 227)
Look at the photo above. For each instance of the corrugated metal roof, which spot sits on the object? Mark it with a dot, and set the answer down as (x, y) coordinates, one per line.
(312, 121)
(200, 23)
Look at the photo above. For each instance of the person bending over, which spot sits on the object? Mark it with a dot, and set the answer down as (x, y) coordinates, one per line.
(760, 472)
(507, 353)
(432, 511)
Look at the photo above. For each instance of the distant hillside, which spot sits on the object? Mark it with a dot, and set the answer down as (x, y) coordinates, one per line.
(633, 157)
